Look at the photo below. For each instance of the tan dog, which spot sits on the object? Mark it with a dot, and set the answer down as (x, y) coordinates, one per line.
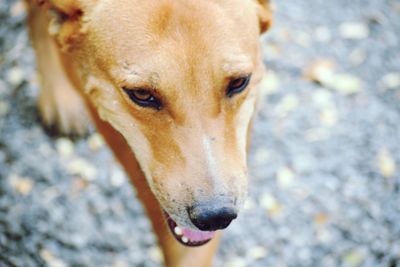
(172, 86)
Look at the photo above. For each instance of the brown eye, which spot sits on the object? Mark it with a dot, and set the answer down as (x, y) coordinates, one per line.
(237, 85)
(143, 98)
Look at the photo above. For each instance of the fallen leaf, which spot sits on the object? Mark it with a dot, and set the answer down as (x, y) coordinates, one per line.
(156, 254)
(321, 219)
(236, 262)
(95, 142)
(81, 167)
(328, 117)
(270, 83)
(287, 104)
(65, 147)
(387, 165)
(22, 185)
(18, 9)
(257, 252)
(345, 84)
(357, 56)
(117, 177)
(320, 71)
(285, 177)
(15, 76)
(353, 30)
(270, 204)
(4, 108)
(391, 80)
(354, 258)
(50, 259)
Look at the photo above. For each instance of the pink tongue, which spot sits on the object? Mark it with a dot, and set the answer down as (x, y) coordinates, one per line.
(197, 236)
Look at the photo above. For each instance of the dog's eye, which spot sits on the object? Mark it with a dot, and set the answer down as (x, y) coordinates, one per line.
(237, 85)
(143, 98)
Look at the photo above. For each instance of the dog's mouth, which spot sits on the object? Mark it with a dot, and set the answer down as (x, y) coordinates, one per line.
(188, 237)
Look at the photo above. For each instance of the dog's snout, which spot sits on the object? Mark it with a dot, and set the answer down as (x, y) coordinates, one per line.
(212, 217)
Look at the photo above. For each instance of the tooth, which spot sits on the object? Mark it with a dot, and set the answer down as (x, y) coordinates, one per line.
(185, 239)
(178, 230)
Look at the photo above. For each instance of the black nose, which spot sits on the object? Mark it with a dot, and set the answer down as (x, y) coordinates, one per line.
(209, 217)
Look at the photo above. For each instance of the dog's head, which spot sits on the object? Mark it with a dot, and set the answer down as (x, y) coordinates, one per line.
(178, 79)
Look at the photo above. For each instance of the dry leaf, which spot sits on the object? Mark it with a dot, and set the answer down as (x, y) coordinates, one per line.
(354, 258)
(50, 259)
(269, 203)
(321, 219)
(156, 254)
(18, 9)
(82, 168)
(4, 108)
(391, 80)
(117, 177)
(15, 76)
(345, 84)
(320, 70)
(257, 252)
(236, 262)
(270, 83)
(285, 177)
(65, 147)
(287, 104)
(353, 30)
(387, 165)
(95, 142)
(328, 117)
(22, 185)
(357, 56)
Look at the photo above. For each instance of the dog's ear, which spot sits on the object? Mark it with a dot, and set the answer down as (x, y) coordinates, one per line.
(264, 12)
(67, 23)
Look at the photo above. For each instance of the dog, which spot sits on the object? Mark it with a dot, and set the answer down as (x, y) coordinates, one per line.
(172, 85)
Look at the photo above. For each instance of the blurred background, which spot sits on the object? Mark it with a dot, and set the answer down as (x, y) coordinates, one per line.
(324, 162)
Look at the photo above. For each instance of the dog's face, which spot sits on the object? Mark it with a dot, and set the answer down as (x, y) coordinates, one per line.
(178, 79)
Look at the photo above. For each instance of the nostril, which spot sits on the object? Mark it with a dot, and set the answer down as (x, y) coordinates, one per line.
(209, 218)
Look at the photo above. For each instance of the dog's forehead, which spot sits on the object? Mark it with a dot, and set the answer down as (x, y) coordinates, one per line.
(196, 30)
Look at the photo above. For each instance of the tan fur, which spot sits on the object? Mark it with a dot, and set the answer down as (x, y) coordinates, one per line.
(185, 52)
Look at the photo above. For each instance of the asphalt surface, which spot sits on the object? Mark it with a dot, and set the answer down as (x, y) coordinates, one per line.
(324, 162)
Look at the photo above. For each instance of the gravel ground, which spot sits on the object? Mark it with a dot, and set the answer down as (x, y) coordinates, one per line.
(325, 190)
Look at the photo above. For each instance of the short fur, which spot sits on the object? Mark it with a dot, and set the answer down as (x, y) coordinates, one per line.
(185, 51)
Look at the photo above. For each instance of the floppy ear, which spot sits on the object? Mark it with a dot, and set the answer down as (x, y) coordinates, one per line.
(264, 12)
(66, 24)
